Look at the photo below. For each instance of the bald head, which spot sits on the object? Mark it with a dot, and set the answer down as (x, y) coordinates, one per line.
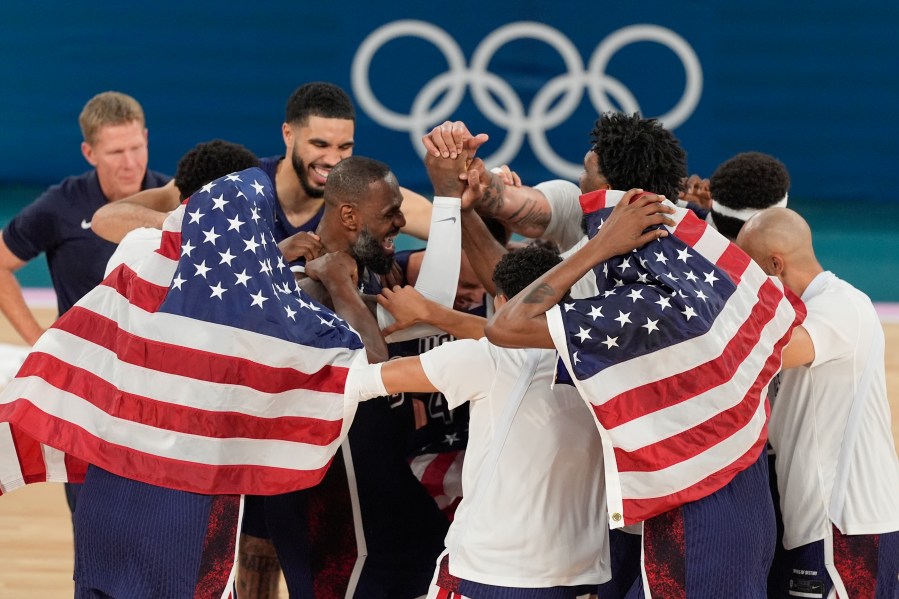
(780, 241)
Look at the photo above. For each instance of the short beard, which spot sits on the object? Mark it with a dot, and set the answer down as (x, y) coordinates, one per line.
(299, 168)
(370, 254)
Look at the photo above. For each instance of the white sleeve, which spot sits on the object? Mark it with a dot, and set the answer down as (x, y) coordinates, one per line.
(565, 221)
(134, 248)
(439, 276)
(462, 370)
(832, 325)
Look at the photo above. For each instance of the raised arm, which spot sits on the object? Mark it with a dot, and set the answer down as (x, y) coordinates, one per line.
(147, 208)
(337, 271)
(417, 210)
(525, 210)
(521, 322)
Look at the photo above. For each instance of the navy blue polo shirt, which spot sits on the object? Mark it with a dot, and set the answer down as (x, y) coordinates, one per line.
(58, 224)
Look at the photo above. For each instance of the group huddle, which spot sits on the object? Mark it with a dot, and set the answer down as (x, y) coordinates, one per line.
(655, 390)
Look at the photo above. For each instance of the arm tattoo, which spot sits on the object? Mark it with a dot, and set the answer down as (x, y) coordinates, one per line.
(539, 295)
(492, 201)
(530, 215)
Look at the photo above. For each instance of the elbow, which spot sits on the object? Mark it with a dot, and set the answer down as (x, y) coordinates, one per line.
(496, 332)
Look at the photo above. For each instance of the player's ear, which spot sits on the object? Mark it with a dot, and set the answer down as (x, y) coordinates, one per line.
(499, 300)
(88, 152)
(775, 265)
(349, 216)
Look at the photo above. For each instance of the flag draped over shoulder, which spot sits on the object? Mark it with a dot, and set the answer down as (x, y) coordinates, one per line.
(203, 368)
(674, 354)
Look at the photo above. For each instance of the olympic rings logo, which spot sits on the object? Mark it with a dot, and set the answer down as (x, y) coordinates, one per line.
(544, 112)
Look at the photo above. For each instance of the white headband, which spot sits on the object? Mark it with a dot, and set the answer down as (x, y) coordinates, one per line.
(745, 214)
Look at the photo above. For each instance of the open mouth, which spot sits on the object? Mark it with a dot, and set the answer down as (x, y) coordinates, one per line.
(319, 174)
(388, 243)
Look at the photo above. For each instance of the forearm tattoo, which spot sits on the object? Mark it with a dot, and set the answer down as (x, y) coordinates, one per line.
(539, 294)
(492, 200)
(529, 215)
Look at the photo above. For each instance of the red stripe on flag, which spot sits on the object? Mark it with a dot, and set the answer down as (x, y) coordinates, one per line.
(171, 245)
(690, 229)
(638, 510)
(28, 451)
(681, 387)
(695, 440)
(196, 364)
(433, 476)
(139, 292)
(166, 472)
(175, 417)
(593, 201)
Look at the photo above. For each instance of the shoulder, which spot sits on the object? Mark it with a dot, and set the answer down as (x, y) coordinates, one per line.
(155, 179)
(559, 191)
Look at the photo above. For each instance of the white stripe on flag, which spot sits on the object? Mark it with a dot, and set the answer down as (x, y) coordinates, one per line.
(10, 470)
(170, 444)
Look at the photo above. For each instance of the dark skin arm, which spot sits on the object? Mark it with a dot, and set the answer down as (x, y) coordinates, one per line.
(338, 273)
(521, 322)
(524, 210)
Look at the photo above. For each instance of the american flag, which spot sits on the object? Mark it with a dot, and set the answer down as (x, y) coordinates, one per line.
(674, 353)
(203, 369)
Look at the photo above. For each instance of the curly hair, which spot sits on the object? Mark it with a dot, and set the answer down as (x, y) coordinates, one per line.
(318, 98)
(521, 267)
(208, 161)
(748, 180)
(638, 152)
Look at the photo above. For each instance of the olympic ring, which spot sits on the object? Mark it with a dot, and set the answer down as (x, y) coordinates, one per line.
(544, 112)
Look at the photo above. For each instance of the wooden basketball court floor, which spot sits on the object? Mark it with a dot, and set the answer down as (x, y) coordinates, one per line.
(36, 531)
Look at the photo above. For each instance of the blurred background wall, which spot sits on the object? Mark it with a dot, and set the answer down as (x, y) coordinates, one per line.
(816, 84)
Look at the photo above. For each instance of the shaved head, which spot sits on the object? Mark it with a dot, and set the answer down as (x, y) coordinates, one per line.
(780, 241)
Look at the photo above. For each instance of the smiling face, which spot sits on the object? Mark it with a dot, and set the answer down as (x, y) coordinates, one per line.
(120, 154)
(315, 147)
(380, 220)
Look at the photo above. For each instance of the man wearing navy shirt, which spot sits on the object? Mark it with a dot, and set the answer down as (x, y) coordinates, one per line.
(58, 223)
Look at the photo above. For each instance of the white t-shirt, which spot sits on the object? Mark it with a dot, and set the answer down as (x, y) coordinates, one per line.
(836, 461)
(564, 199)
(565, 229)
(538, 519)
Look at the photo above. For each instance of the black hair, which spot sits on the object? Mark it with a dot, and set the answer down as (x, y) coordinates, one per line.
(637, 152)
(497, 229)
(521, 267)
(318, 98)
(208, 161)
(748, 180)
(350, 178)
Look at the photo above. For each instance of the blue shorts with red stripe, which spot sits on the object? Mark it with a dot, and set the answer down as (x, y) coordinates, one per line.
(134, 540)
(868, 566)
(718, 546)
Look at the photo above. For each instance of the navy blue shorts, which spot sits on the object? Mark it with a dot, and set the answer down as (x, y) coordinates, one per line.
(718, 546)
(134, 540)
(868, 566)
(453, 586)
